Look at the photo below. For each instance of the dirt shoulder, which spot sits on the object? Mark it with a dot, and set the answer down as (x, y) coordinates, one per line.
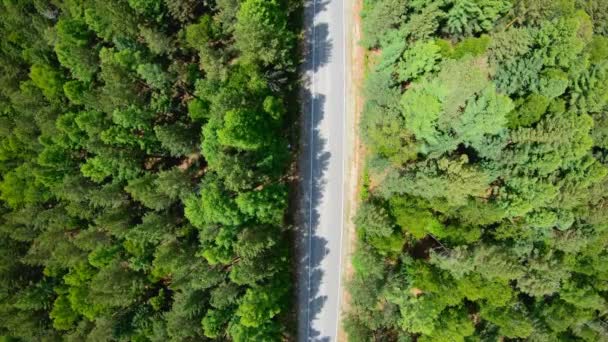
(355, 150)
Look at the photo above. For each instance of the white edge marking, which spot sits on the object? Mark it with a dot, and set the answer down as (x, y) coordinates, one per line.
(344, 158)
(311, 147)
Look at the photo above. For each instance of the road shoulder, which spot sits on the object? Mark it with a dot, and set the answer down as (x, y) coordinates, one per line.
(354, 151)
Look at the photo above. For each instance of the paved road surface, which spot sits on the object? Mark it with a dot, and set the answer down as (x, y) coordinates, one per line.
(322, 172)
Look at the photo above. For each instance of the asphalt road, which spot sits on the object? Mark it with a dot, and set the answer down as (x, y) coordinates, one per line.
(322, 172)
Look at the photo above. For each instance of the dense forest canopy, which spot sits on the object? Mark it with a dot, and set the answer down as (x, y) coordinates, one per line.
(143, 154)
(484, 213)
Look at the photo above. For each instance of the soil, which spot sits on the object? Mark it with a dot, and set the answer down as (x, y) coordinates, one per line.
(355, 161)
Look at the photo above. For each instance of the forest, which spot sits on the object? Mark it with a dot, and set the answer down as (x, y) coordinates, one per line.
(484, 201)
(144, 162)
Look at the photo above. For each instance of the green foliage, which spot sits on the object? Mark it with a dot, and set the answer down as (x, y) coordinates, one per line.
(598, 49)
(258, 306)
(149, 8)
(454, 326)
(536, 11)
(62, 314)
(243, 129)
(563, 40)
(425, 20)
(433, 108)
(589, 93)
(145, 191)
(214, 323)
(178, 138)
(382, 118)
(419, 59)
(20, 187)
(200, 34)
(99, 168)
(553, 83)
(267, 205)
(518, 75)
(529, 111)
(132, 117)
(509, 45)
(598, 10)
(183, 10)
(217, 205)
(174, 183)
(73, 49)
(158, 41)
(512, 322)
(143, 161)
(472, 46)
(198, 109)
(111, 20)
(374, 220)
(207, 37)
(451, 180)
(467, 17)
(377, 227)
(482, 217)
(475, 288)
(48, 79)
(154, 75)
(260, 33)
(75, 91)
(380, 19)
(414, 220)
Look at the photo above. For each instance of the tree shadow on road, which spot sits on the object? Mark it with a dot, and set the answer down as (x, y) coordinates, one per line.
(313, 165)
(322, 46)
(317, 38)
(314, 162)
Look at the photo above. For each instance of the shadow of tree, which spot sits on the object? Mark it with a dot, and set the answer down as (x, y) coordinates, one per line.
(314, 162)
(318, 46)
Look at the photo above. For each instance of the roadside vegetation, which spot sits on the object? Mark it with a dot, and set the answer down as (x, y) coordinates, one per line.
(485, 207)
(143, 154)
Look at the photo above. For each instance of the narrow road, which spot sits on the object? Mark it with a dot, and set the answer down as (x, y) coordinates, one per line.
(322, 172)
